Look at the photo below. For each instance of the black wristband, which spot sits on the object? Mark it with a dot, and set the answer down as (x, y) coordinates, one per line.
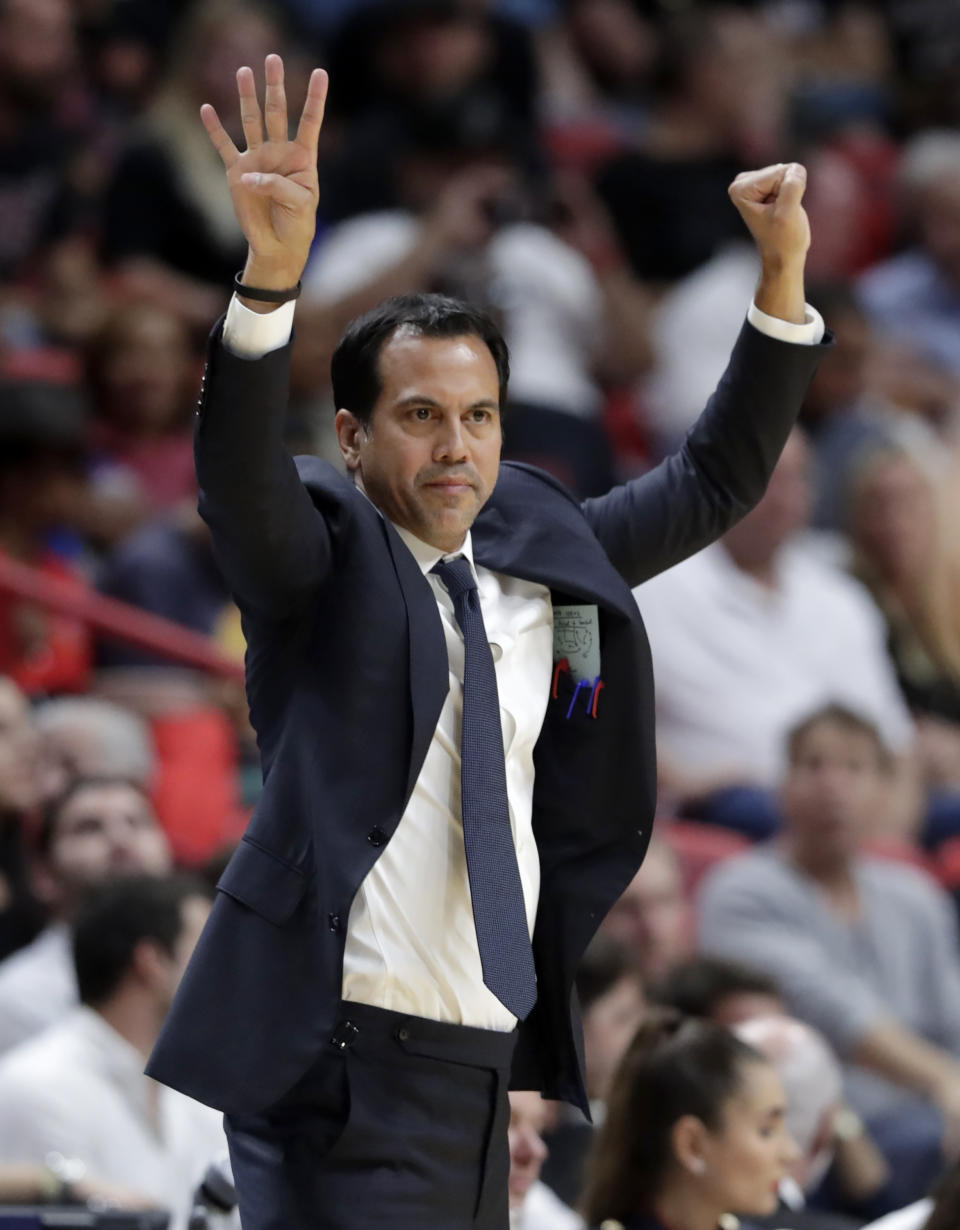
(263, 295)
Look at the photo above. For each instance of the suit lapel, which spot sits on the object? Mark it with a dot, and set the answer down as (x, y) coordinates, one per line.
(429, 673)
(546, 551)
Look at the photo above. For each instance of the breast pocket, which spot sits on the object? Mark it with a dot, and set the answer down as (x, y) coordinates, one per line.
(263, 882)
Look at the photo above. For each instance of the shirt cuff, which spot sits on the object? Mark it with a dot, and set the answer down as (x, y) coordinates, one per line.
(251, 335)
(810, 333)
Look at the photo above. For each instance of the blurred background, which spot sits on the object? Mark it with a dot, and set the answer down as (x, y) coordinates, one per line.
(565, 163)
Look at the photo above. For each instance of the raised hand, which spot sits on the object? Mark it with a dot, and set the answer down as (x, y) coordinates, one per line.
(770, 202)
(274, 181)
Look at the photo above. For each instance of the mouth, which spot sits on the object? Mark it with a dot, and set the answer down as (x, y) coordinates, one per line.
(450, 486)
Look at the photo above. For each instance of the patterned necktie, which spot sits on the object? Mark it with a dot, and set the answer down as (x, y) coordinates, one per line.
(495, 889)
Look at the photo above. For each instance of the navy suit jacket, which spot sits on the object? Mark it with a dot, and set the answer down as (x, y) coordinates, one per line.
(346, 675)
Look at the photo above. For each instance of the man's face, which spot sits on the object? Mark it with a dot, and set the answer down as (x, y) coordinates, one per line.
(19, 751)
(783, 511)
(833, 787)
(432, 454)
(653, 917)
(527, 1150)
(609, 1025)
(104, 831)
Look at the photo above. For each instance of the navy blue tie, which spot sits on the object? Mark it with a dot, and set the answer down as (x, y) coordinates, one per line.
(495, 889)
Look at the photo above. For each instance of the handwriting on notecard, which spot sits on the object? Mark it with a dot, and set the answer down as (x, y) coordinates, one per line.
(576, 637)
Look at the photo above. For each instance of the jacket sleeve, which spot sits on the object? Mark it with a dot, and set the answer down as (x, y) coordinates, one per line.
(270, 540)
(722, 468)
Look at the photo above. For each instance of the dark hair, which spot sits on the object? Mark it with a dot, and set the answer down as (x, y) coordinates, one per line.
(835, 714)
(55, 808)
(355, 367)
(674, 1066)
(118, 916)
(946, 1209)
(604, 964)
(697, 987)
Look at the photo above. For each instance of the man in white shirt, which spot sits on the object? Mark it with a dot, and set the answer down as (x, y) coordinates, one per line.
(533, 1206)
(79, 1090)
(96, 829)
(368, 985)
(750, 636)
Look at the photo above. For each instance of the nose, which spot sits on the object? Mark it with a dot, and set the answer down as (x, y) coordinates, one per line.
(791, 1153)
(451, 444)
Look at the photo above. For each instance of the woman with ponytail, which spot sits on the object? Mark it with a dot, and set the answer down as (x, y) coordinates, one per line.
(695, 1130)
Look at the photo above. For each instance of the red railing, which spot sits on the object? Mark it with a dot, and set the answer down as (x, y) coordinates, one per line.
(117, 619)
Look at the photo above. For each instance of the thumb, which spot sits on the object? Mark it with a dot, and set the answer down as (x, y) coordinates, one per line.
(278, 188)
(792, 186)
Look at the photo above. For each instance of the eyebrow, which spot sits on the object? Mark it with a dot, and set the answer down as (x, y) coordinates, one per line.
(421, 399)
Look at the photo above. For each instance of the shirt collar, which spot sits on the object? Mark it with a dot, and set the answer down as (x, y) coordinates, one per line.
(118, 1059)
(427, 556)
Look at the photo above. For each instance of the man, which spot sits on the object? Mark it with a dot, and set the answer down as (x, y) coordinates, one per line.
(612, 1007)
(533, 1206)
(864, 950)
(725, 991)
(20, 790)
(913, 298)
(748, 637)
(96, 829)
(816, 1119)
(653, 917)
(354, 1003)
(79, 1090)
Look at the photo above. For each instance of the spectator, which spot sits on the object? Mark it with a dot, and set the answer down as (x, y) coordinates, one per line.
(733, 994)
(42, 134)
(723, 991)
(533, 1206)
(844, 419)
(915, 296)
(79, 1089)
(652, 918)
(906, 556)
(816, 1118)
(94, 831)
(786, 632)
(20, 787)
(718, 108)
(169, 229)
(87, 737)
(41, 488)
(612, 1007)
(167, 568)
(696, 1127)
(863, 949)
(141, 374)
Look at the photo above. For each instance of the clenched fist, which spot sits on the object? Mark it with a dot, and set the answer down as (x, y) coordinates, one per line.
(770, 202)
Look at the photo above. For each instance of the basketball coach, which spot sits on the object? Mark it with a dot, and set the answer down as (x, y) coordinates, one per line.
(452, 692)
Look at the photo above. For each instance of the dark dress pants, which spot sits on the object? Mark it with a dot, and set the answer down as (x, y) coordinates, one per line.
(401, 1123)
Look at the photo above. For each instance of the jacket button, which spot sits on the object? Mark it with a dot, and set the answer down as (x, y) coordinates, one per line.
(377, 837)
(334, 921)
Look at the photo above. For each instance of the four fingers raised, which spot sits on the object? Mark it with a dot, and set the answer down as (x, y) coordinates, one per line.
(274, 112)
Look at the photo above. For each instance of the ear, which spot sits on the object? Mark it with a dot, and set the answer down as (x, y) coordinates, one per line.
(150, 964)
(351, 435)
(688, 1138)
(46, 885)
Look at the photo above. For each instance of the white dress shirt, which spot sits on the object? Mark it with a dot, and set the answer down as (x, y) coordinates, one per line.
(418, 890)
(411, 943)
(79, 1090)
(38, 986)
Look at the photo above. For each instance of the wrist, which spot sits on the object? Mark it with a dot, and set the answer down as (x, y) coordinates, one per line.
(269, 275)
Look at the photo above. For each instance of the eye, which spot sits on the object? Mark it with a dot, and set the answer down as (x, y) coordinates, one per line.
(480, 415)
(421, 413)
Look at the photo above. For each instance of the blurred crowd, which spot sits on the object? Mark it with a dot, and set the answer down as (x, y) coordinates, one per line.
(565, 164)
